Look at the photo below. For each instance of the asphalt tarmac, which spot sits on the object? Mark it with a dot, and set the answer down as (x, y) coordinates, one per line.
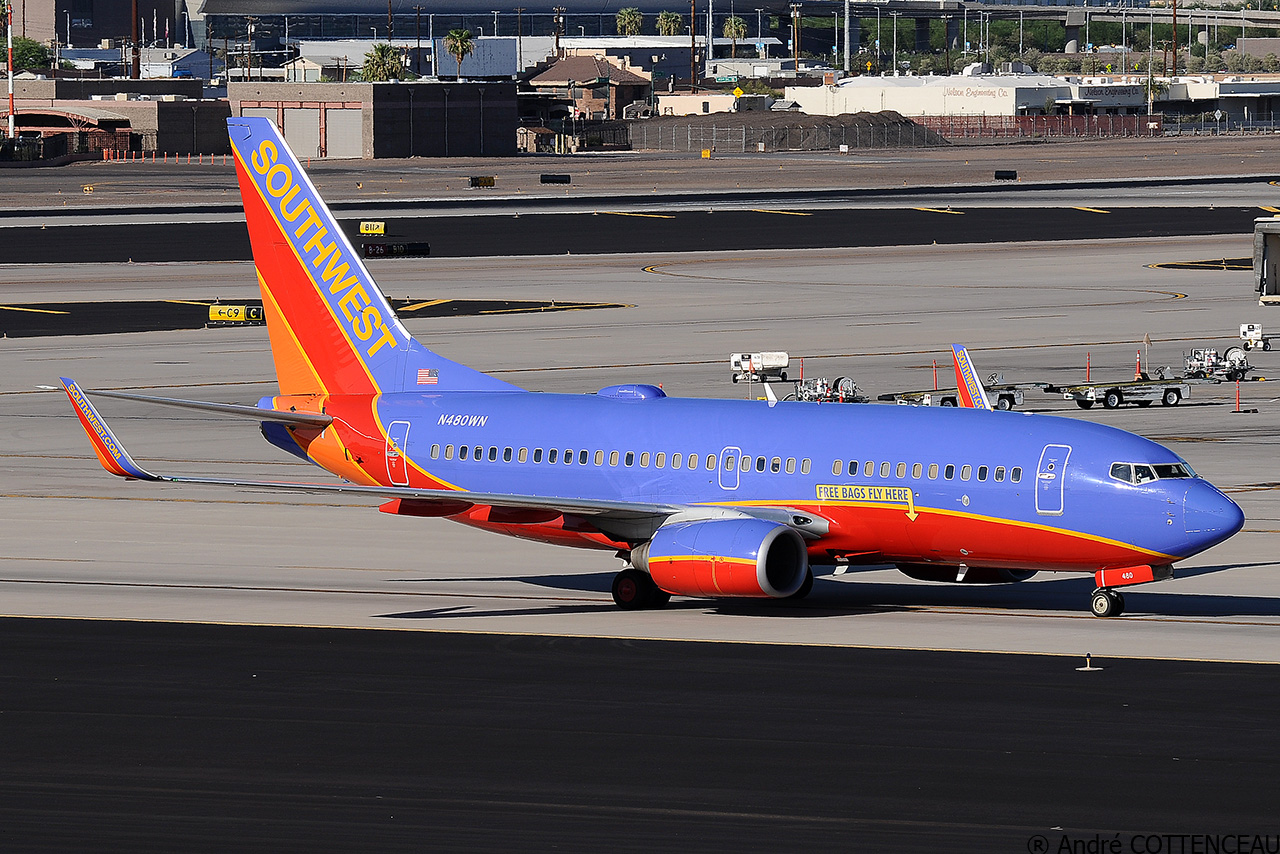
(479, 235)
(156, 736)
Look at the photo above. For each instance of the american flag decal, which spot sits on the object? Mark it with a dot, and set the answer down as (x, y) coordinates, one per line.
(428, 376)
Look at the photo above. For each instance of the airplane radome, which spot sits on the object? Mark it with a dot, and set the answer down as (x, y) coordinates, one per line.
(710, 498)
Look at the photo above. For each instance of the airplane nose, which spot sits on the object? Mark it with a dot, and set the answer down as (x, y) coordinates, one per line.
(1209, 516)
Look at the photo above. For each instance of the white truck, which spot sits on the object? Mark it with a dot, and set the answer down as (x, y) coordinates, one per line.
(770, 367)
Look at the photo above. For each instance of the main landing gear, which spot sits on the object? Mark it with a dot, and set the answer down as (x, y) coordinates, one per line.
(634, 590)
(1106, 603)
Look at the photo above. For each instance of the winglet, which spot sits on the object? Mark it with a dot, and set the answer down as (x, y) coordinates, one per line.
(111, 453)
(972, 394)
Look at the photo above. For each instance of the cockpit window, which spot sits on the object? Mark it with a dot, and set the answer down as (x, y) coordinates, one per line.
(1173, 470)
(1137, 473)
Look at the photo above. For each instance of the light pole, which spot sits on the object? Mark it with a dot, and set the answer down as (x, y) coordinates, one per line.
(847, 43)
(795, 34)
(895, 15)
(495, 22)
(519, 10)
(758, 14)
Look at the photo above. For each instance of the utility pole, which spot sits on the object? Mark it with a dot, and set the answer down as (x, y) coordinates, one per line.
(9, 37)
(135, 62)
(795, 34)
(693, 45)
(519, 10)
(846, 36)
(388, 21)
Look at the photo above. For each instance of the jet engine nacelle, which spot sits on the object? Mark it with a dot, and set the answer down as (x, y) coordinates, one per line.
(972, 575)
(725, 557)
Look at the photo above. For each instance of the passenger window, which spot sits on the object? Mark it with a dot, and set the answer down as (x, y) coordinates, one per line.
(567, 457)
(933, 471)
(582, 457)
(745, 463)
(537, 455)
(884, 469)
(853, 468)
(949, 473)
(867, 468)
(613, 458)
(506, 455)
(759, 463)
(551, 455)
(982, 472)
(476, 454)
(965, 471)
(693, 462)
(1015, 474)
(448, 452)
(711, 462)
(524, 455)
(599, 458)
(917, 470)
(1122, 471)
(435, 452)
(644, 460)
(630, 459)
(463, 450)
(836, 467)
(791, 465)
(675, 460)
(775, 465)
(902, 470)
(730, 461)
(999, 474)
(804, 466)
(660, 460)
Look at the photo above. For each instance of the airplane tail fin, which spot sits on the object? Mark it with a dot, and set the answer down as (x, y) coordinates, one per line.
(972, 394)
(332, 331)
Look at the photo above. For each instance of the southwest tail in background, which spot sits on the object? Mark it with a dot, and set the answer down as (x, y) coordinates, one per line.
(331, 329)
(972, 394)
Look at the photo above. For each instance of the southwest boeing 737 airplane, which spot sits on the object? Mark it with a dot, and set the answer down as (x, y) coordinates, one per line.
(708, 498)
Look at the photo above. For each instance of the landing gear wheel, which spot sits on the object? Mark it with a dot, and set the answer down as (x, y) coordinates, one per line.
(1085, 404)
(1171, 397)
(1113, 399)
(806, 586)
(634, 590)
(1106, 603)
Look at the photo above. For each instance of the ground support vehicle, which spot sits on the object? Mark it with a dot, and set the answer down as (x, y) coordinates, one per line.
(1206, 364)
(1253, 337)
(820, 390)
(1142, 392)
(770, 367)
(1001, 395)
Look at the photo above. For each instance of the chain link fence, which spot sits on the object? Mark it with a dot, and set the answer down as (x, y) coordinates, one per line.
(1042, 127)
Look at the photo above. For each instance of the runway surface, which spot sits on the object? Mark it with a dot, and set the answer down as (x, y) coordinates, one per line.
(81, 543)
(152, 736)
(674, 229)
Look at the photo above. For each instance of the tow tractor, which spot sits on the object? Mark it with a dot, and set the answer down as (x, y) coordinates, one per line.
(1002, 395)
(1253, 337)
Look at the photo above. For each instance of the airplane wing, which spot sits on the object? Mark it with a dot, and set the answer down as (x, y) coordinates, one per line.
(310, 419)
(615, 517)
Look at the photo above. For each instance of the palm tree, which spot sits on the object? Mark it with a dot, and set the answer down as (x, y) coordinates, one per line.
(459, 45)
(382, 63)
(629, 21)
(669, 24)
(735, 28)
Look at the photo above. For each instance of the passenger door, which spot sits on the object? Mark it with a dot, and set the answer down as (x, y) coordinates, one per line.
(1051, 479)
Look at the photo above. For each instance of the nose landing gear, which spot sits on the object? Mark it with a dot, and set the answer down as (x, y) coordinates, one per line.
(1106, 603)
